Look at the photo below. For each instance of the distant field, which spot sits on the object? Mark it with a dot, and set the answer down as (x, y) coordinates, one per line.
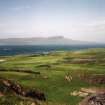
(57, 74)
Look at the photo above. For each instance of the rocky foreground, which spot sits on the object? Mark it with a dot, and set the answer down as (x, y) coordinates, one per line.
(92, 96)
(16, 88)
(96, 99)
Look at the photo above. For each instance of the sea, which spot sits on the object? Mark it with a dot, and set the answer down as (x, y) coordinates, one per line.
(31, 49)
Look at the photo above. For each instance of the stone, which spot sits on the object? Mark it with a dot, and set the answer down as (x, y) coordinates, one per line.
(96, 99)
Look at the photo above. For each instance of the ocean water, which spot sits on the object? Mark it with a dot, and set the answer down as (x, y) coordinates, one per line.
(15, 50)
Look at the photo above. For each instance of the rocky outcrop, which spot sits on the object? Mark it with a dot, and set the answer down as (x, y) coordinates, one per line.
(97, 99)
(19, 90)
(95, 96)
(83, 92)
(92, 96)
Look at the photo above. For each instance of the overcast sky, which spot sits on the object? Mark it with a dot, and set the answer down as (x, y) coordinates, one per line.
(76, 19)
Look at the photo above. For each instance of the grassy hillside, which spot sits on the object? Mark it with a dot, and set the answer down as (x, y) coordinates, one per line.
(57, 74)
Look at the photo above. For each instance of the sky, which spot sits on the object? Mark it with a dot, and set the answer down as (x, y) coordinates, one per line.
(75, 19)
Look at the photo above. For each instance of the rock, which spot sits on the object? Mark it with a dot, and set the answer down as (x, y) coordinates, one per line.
(79, 93)
(19, 90)
(93, 90)
(68, 78)
(83, 92)
(97, 99)
(33, 103)
(36, 95)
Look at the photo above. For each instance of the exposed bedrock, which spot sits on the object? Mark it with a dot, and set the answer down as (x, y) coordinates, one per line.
(19, 90)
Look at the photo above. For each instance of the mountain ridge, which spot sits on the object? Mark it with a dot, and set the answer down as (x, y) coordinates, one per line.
(55, 40)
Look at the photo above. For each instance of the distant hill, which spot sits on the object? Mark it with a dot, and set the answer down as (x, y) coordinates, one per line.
(56, 40)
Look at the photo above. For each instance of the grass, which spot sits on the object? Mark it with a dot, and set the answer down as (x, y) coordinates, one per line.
(55, 87)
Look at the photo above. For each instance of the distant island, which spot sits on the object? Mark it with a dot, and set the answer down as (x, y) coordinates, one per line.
(55, 40)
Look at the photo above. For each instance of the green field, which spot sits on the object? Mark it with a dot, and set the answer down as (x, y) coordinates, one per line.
(53, 68)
